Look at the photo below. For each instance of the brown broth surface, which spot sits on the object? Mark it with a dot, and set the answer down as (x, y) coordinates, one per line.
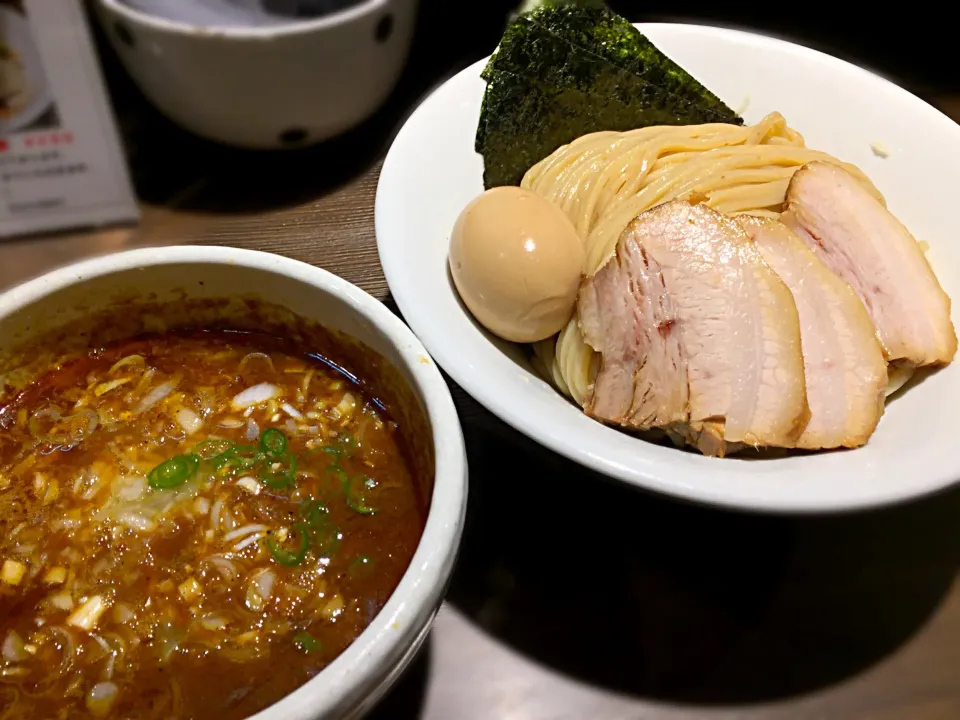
(280, 532)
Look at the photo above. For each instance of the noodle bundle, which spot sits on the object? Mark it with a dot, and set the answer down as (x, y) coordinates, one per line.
(603, 180)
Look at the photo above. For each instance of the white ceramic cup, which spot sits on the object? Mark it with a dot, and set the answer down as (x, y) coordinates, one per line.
(353, 682)
(278, 86)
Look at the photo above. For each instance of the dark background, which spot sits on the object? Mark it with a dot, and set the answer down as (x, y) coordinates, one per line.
(907, 43)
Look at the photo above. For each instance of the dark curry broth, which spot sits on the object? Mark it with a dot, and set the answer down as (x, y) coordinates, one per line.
(192, 525)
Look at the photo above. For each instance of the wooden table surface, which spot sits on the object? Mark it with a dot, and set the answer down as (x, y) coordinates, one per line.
(575, 597)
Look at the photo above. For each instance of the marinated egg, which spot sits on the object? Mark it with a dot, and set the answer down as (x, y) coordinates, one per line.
(516, 261)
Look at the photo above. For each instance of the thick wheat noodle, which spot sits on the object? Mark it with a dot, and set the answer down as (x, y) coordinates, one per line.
(604, 180)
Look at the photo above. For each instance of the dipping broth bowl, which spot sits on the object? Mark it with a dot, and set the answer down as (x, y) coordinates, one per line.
(172, 279)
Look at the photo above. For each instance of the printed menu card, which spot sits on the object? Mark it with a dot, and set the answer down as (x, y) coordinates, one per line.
(61, 163)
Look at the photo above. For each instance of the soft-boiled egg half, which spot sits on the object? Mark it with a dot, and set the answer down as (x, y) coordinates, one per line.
(517, 261)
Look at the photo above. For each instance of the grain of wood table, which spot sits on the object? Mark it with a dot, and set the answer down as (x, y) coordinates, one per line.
(575, 597)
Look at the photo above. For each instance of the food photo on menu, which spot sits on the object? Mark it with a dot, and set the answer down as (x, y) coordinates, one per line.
(25, 100)
(571, 360)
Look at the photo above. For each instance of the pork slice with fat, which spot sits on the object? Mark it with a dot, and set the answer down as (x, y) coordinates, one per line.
(845, 371)
(863, 243)
(696, 334)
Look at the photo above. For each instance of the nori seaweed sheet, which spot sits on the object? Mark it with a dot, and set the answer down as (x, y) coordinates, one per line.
(530, 50)
(612, 37)
(525, 121)
(551, 81)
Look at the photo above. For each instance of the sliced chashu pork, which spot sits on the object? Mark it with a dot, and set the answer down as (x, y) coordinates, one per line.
(696, 334)
(863, 243)
(845, 371)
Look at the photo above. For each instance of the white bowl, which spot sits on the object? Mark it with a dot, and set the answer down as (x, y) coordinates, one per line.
(353, 682)
(432, 171)
(266, 87)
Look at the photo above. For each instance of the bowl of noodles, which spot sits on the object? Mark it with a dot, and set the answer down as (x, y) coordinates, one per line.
(232, 485)
(746, 319)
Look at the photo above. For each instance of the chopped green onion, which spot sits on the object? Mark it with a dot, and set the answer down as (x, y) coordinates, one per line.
(339, 475)
(280, 473)
(356, 489)
(359, 566)
(273, 442)
(210, 449)
(173, 472)
(239, 458)
(306, 643)
(316, 516)
(343, 445)
(290, 558)
(313, 512)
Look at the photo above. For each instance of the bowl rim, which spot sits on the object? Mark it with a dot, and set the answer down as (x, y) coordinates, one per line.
(230, 32)
(365, 668)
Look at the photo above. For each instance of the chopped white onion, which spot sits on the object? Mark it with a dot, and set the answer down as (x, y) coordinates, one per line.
(130, 487)
(153, 397)
(13, 649)
(212, 622)
(226, 568)
(247, 542)
(102, 643)
(333, 607)
(67, 523)
(104, 388)
(93, 420)
(201, 506)
(249, 484)
(265, 582)
(136, 521)
(253, 430)
(62, 601)
(88, 615)
(68, 648)
(291, 411)
(101, 698)
(244, 531)
(189, 420)
(226, 521)
(190, 589)
(122, 613)
(347, 405)
(12, 572)
(215, 514)
(169, 642)
(24, 548)
(260, 589)
(255, 395)
(231, 423)
(110, 666)
(55, 576)
(133, 360)
(93, 485)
